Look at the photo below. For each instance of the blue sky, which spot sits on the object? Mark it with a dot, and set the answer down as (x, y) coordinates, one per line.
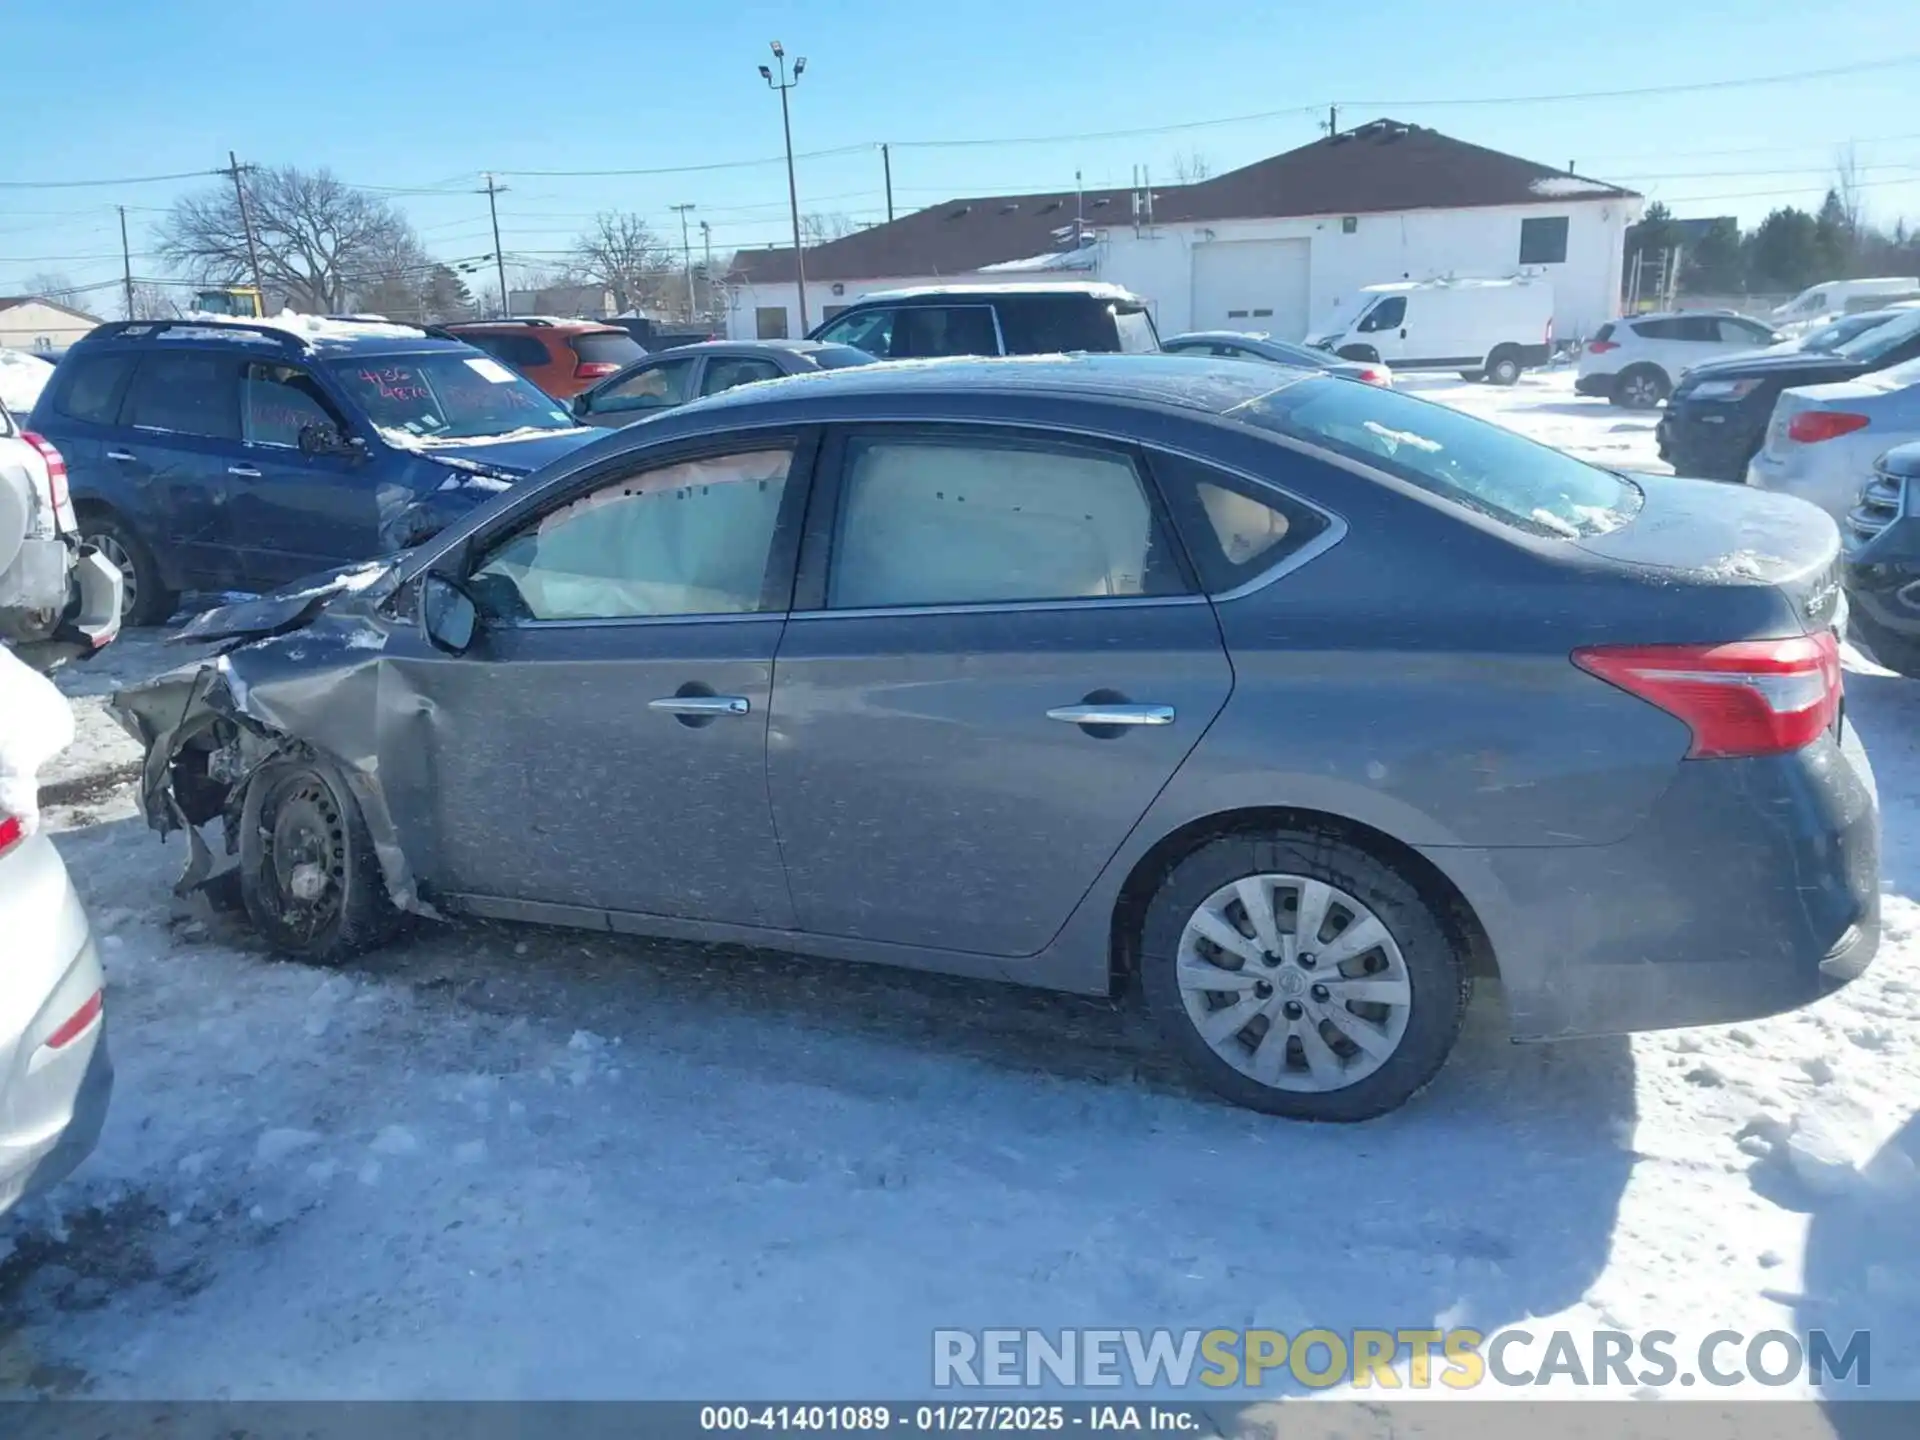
(426, 95)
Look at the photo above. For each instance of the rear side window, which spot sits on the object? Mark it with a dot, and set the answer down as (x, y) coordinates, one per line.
(1234, 529)
(187, 393)
(520, 351)
(725, 372)
(925, 331)
(608, 347)
(92, 387)
(1137, 333)
(1473, 463)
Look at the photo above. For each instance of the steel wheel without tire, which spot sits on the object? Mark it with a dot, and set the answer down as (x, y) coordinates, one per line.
(144, 597)
(308, 874)
(1640, 389)
(1299, 974)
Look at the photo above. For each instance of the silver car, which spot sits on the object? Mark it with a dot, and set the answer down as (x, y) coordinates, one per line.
(55, 1077)
(1291, 704)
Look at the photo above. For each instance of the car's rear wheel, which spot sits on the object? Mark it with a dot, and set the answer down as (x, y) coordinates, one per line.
(144, 596)
(308, 873)
(1641, 387)
(1503, 366)
(1298, 974)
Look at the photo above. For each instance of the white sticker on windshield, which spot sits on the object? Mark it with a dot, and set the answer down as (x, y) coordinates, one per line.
(488, 368)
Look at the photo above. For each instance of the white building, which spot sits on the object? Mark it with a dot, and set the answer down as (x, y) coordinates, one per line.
(1271, 246)
(28, 322)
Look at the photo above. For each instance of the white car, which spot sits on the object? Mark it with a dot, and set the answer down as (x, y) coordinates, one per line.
(59, 599)
(1636, 361)
(1823, 439)
(55, 1078)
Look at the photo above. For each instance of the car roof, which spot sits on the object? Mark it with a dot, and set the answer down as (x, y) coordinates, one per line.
(257, 337)
(1096, 289)
(698, 347)
(521, 324)
(1209, 385)
(1226, 335)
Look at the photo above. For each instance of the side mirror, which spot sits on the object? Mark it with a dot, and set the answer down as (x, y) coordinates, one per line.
(580, 405)
(447, 615)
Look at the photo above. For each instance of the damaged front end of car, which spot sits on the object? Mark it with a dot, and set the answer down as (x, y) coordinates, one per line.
(300, 677)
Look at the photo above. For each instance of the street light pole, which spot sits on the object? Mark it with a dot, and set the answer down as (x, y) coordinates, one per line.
(686, 254)
(783, 85)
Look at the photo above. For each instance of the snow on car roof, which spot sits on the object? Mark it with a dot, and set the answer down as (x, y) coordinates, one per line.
(22, 378)
(1099, 289)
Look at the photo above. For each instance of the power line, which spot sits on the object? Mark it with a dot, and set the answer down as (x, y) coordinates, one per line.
(122, 180)
(697, 169)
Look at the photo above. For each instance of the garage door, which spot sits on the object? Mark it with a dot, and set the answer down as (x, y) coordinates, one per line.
(1251, 285)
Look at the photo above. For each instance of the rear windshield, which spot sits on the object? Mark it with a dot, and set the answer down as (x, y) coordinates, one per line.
(607, 347)
(448, 395)
(837, 357)
(1482, 466)
(1881, 339)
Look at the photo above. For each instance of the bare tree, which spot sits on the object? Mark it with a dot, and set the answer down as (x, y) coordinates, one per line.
(320, 240)
(621, 253)
(54, 285)
(1190, 166)
(1847, 184)
(152, 302)
(817, 227)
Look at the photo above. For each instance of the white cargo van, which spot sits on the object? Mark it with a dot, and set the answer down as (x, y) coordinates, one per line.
(1820, 303)
(1491, 328)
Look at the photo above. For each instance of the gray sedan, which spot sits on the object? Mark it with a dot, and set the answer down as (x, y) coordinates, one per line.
(1290, 704)
(670, 378)
(1258, 346)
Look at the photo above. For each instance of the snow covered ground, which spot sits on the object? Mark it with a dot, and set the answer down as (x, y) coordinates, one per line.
(511, 1162)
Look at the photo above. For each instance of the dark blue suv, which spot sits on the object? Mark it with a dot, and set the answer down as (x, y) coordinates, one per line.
(238, 455)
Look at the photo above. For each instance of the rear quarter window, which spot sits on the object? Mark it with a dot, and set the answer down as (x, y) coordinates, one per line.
(1234, 529)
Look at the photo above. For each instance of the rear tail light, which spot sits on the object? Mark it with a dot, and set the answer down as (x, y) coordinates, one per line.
(1810, 427)
(56, 473)
(1600, 347)
(1374, 375)
(12, 831)
(75, 1025)
(1751, 697)
(593, 369)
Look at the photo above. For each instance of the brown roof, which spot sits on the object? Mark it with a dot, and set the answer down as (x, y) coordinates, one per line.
(1382, 166)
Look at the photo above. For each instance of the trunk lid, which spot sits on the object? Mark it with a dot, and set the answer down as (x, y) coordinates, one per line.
(1702, 533)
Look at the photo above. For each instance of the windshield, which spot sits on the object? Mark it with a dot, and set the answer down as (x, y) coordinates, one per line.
(1137, 335)
(1482, 466)
(1882, 339)
(448, 395)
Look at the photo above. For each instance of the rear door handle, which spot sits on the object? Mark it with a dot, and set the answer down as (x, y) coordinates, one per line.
(120, 455)
(701, 705)
(246, 472)
(1113, 714)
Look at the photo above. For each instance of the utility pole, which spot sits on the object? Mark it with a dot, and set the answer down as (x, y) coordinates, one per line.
(793, 192)
(686, 252)
(886, 165)
(1333, 121)
(236, 169)
(126, 259)
(499, 259)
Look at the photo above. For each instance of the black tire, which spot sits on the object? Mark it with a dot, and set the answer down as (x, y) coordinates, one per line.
(300, 814)
(1889, 648)
(1641, 387)
(1435, 970)
(147, 600)
(1503, 365)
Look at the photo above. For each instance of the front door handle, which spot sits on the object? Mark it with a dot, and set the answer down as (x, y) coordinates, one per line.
(121, 455)
(1113, 714)
(704, 706)
(245, 472)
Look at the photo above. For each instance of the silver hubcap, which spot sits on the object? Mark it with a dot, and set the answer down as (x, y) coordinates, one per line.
(1294, 983)
(1506, 372)
(1642, 391)
(118, 557)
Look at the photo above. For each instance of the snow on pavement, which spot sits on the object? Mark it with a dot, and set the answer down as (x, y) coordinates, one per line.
(506, 1162)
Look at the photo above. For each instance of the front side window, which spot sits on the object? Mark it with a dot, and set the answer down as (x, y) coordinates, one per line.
(187, 393)
(971, 521)
(1389, 314)
(726, 372)
(447, 395)
(657, 387)
(868, 330)
(693, 538)
(283, 400)
(1543, 241)
(1482, 466)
